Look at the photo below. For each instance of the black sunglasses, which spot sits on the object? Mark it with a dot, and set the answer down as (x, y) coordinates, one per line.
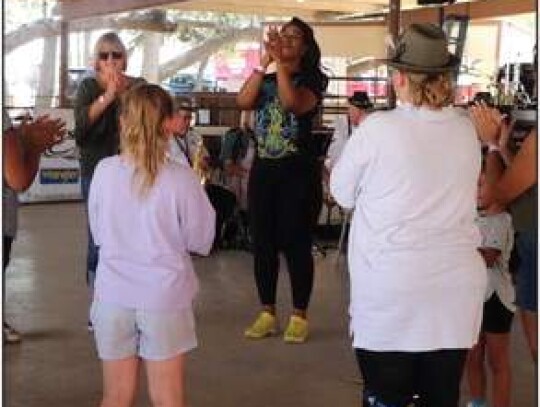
(105, 55)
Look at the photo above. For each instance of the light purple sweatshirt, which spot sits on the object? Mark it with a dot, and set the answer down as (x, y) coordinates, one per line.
(144, 242)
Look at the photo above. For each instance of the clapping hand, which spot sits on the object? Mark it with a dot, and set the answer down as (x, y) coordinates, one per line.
(116, 82)
(488, 122)
(273, 44)
(42, 133)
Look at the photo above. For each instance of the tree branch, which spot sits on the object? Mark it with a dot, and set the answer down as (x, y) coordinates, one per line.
(207, 48)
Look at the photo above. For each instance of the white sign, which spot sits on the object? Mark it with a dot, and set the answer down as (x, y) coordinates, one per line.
(59, 174)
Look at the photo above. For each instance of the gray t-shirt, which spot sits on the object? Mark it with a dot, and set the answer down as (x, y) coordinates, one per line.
(10, 202)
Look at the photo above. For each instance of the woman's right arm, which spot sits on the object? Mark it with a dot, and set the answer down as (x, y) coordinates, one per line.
(85, 97)
(90, 105)
(116, 83)
(247, 96)
(98, 106)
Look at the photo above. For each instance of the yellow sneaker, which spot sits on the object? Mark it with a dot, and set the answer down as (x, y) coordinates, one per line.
(265, 325)
(297, 330)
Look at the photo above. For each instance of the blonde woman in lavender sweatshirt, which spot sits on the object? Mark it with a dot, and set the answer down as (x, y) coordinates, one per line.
(147, 214)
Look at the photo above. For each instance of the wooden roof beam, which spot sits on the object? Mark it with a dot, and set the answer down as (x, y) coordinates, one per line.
(476, 10)
(75, 9)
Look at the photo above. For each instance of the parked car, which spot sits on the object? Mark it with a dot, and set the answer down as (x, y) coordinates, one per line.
(180, 84)
(185, 83)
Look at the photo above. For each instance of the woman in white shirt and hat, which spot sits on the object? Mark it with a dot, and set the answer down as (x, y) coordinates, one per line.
(417, 280)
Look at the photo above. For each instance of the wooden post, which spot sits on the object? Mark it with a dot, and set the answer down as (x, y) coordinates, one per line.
(64, 47)
(393, 29)
(151, 44)
(46, 85)
(441, 16)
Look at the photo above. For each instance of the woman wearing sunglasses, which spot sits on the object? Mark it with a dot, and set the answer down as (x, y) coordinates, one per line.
(96, 118)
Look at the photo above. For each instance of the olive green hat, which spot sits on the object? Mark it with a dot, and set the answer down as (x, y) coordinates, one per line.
(423, 48)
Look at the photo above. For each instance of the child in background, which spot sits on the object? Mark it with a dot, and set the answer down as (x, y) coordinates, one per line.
(146, 214)
(497, 240)
(237, 155)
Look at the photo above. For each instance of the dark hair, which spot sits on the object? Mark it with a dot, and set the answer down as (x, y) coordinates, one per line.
(238, 150)
(310, 63)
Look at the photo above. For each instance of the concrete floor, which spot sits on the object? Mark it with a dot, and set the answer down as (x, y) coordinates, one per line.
(56, 364)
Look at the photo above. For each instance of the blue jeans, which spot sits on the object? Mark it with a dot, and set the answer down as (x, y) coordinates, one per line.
(92, 254)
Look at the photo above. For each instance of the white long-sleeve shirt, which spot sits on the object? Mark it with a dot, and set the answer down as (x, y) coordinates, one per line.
(144, 242)
(417, 280)
(189, 144)
(342, 130)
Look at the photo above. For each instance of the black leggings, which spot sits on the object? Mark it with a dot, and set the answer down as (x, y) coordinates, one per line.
(393, 378)
(224, 202)
(280, 204)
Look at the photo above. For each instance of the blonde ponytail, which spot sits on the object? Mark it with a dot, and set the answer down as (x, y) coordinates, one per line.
(433, 90)
(143, 139)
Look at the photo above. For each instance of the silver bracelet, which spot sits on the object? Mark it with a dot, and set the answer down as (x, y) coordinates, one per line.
(259, 69)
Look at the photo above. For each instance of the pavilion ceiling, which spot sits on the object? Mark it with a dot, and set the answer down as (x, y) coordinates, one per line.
(310, 9)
